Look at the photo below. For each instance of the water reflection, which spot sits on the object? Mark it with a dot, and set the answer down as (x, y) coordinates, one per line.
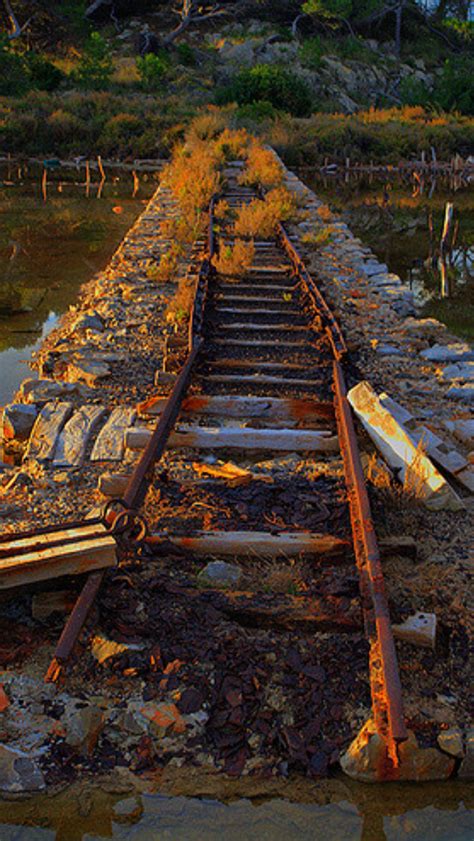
(428, 812)
(404, 225)
(48, 249)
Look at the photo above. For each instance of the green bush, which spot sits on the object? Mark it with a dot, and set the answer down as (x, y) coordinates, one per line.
(311, 53)
(256, 112)
(14, 77)
(414, 92)
(152, 69)
(454, 89)
(44, 75)
(272, 84)
(95, 67)
(186, 55)
(120, 132)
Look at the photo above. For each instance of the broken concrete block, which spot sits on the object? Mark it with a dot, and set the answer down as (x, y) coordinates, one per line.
(18, 420)
(109, 443)
(451, 742)
(83, 726)
(419, 629)
(400, 450)
(112, 484)
(73, 440)
(399, 412)
(367, 761)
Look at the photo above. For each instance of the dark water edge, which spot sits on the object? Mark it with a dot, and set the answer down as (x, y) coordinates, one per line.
(50, 247)
(392, 216)
(423, 812)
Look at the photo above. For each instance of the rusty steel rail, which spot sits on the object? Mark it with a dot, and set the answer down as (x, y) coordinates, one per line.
(333, 329)
(139, 481)
(385, 683)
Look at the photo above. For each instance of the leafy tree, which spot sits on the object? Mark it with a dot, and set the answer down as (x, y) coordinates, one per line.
(269, 83)
(95, 67)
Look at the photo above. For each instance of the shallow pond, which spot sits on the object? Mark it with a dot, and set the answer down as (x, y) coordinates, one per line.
(394, 217)
(51, 244)
(428, 812)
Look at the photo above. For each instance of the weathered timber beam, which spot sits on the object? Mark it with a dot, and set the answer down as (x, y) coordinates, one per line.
(274, 408)
(290, 440)
(243, 543)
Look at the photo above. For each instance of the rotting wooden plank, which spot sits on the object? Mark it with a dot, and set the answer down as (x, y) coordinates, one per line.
(264, 610)
(283, 310)
(262, 544)
(250, 343)
(241, 438)
(400, 450)
(46, 430)
(255, 363)
(76, 434)
(33, 541)
(54, 562)
(260, 379)
(270, 328)
(109, 445)
(235, 406)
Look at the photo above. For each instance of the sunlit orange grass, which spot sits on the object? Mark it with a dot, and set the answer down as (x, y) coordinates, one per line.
(260, 217)
(233, 144)
(235, 260)
(262, 167)
(193, 177)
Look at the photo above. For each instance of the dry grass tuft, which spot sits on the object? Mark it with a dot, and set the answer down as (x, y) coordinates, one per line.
(179, 306)
(236, 260)
(166, 269)
(318, 238)
(260, 217)
(325, 213)
(262, 167)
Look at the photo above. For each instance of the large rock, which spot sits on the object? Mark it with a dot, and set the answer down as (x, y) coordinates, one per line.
(83, 726)
(89, 320)
(46, 430)
(18, 420)
(366, 760)
(19, 772)
(220, 574)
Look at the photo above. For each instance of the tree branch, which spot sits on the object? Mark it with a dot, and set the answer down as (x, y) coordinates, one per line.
(17, 30)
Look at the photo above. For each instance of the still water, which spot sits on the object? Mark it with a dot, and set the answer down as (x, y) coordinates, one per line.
(428, 812)
(49, 246)
(401, 219)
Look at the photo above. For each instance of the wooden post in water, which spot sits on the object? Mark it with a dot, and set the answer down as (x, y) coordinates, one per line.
(88, 179)
(44, 184)
(444, 249)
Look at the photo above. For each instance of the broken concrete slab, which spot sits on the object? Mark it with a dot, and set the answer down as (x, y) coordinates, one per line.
(400, 450)
(449, 353)
(83, 725)
(109, 445)
(74, 438)
(462, 429)
(87, 371)
(419, 629)
(46, 430)
(461, 392)
(41, 391)
(459, 371)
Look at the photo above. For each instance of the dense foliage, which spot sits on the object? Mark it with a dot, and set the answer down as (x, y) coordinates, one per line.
(269, 83)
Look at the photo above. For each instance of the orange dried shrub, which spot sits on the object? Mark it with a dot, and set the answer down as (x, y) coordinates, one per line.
(235, 260)
(184, 229)
(165, 270)
(262, 167)
(179, 306)
(221, 209)
(325, 213)
(193, 177)
(233, 144)
(260, 217)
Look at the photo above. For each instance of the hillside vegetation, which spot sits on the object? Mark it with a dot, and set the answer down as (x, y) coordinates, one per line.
(321, 79)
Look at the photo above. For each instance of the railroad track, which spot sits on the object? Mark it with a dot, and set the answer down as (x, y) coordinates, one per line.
(264, 374)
